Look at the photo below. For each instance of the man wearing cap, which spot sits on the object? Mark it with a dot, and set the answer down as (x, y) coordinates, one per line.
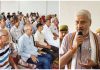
(81, 50)
(63, 30)
(98, 31)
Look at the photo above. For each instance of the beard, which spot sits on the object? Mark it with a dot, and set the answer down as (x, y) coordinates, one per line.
(84, 31)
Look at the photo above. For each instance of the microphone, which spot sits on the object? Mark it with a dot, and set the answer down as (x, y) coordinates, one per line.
(80, 33)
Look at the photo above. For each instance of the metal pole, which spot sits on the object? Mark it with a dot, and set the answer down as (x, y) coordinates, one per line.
(46, 7)
(0, 6)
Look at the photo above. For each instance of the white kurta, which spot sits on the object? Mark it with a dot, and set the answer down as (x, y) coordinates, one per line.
(49, 36)
(40, 38)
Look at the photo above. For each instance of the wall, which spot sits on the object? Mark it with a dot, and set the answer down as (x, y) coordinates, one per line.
(68, 10)
(43, 7)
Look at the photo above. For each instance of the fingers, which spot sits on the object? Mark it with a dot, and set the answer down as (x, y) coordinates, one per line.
(37, 60)
(84, 65)
(79, 40)
(89, 63)
(34, 59)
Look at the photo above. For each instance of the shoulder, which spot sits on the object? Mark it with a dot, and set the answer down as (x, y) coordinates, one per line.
(98, 38)
(69, 35)
(12, 28)
(36, 34)
(22, 38)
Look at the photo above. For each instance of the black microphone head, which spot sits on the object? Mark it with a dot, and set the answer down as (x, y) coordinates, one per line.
(80, 33)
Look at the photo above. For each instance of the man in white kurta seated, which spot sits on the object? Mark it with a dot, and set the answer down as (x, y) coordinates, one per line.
(43, 45)
(50, 38)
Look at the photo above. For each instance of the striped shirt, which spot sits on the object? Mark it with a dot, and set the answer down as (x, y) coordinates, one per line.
(4, 57)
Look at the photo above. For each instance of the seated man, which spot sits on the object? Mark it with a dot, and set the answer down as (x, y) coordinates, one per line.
(42, 44)
(3, 26)
(29, 53)
(5, 57)
(50, 38)
(16, 31)
(54, 26)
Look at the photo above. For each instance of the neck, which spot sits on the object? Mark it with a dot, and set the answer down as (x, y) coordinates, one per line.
(16, 26)
(86, 34)
(28, 34)
(1, 46)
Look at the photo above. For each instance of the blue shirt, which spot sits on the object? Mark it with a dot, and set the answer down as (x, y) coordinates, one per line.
(21, 24)
(26, 47)
(8, 24)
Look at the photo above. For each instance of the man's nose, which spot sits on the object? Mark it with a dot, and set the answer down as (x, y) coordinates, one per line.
(79, 25)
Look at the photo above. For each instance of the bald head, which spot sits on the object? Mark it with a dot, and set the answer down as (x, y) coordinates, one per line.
(28, 29)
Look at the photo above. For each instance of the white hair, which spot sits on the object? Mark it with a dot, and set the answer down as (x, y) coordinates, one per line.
(84, 12)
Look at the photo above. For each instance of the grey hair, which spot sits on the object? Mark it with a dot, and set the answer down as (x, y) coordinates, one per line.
(84, 12)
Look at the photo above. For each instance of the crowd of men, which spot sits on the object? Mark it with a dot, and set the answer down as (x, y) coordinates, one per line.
(36, 40)
(33, 37)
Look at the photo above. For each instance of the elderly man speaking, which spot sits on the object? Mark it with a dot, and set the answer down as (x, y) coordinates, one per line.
(80, 50)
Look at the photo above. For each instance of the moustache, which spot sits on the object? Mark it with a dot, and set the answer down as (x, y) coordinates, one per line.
(80, 29)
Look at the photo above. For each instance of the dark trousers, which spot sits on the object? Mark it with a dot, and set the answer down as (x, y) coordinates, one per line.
(54, 52)
(44, 61)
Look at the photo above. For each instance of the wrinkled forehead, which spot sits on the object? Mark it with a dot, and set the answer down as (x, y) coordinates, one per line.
(81, 17)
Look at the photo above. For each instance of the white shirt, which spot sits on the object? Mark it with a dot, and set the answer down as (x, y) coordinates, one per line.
(34, 26)
(54, 29)
(49, 36)
(40, 38)
(16, 33)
